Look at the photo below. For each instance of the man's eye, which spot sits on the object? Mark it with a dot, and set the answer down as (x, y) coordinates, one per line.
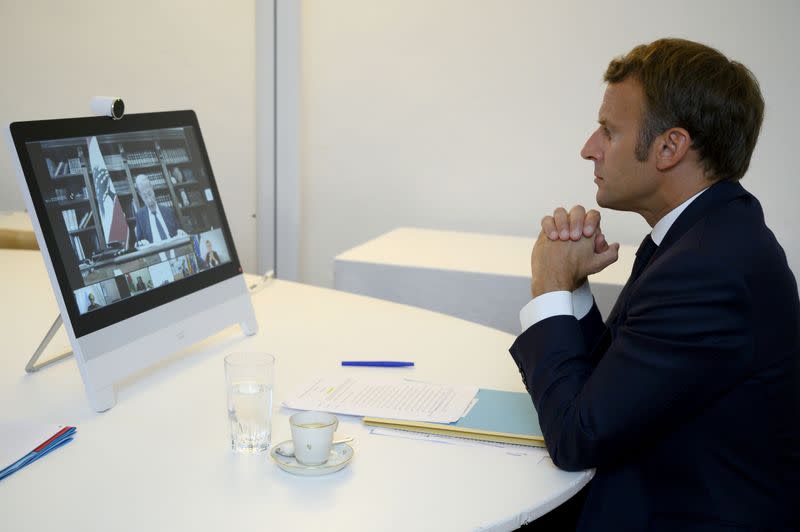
(606, 132)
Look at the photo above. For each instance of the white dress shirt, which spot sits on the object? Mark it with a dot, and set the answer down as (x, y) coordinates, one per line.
(579, 302)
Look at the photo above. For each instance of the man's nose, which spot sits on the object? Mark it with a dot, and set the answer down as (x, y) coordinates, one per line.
(591, 149)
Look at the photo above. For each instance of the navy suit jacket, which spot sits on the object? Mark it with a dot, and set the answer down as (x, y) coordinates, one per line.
(143, 229)
(687, 400)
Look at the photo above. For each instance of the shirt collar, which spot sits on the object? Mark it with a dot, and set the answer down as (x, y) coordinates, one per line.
(662, 226)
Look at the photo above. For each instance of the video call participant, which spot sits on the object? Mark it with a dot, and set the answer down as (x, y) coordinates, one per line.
(154, 223)
(686, 400)
(212, 258)
(92, 304)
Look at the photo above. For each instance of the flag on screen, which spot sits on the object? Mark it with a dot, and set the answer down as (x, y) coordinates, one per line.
(112, 217)
(196, 242)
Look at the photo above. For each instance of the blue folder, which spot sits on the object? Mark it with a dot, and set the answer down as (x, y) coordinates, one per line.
(499, 416)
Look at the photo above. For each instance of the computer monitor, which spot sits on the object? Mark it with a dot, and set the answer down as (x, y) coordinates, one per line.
(132, 230)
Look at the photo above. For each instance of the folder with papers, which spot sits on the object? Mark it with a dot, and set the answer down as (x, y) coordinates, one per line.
(498, 416)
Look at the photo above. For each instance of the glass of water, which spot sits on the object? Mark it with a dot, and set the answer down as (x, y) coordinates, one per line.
(249, 377)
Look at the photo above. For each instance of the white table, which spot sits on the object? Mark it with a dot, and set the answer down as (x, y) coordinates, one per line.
(161, 459)
(480, 278)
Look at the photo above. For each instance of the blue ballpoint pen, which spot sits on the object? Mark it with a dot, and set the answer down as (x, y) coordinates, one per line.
(377, 363)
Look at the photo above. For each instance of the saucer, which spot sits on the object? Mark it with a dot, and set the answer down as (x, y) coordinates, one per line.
(340, 456)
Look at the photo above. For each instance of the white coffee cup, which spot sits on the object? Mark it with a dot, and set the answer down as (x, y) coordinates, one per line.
(312, 435)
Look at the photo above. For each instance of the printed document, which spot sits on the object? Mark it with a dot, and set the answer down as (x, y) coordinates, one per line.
(395, 398)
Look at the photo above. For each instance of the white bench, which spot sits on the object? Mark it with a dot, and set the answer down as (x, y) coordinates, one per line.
(476, 277)
(16, 231)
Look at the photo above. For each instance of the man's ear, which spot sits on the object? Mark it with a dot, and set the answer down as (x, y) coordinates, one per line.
(673, 145)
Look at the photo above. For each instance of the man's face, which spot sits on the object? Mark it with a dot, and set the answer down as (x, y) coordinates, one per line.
(623, 182)
(148, 195)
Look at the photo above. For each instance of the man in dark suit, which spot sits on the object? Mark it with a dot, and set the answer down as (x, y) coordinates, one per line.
(687, 399)
(154, 223)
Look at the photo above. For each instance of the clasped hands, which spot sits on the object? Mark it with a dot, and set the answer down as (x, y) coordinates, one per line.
(570, 247)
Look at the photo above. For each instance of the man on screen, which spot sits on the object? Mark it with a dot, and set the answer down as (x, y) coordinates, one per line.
(154, 223)
(92, 303)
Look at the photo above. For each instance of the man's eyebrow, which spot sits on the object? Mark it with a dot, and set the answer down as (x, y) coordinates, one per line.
(607, 124)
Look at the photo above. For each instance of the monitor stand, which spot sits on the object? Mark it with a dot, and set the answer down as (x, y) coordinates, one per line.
(32, 365)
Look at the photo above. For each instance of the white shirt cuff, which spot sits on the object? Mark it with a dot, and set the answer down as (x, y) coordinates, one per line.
(559, 303)
(582, 301)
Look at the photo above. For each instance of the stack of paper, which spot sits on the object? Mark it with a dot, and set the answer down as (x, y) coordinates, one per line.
(17, 440)
(498, 416)
(395, 398)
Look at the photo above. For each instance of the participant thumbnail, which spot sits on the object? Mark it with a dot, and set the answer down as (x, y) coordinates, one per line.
(183, 266)
(210, 249)
(139, 281)
(90, 298)
(161, 274)
(110, 291)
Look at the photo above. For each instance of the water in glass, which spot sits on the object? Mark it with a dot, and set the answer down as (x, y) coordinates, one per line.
(250, 413)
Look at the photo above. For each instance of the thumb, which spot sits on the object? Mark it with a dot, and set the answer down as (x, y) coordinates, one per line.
(600, 261)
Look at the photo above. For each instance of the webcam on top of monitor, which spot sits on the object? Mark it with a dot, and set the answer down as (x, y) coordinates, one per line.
(108, 106)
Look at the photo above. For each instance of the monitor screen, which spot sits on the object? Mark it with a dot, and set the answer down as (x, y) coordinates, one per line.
(129, 209)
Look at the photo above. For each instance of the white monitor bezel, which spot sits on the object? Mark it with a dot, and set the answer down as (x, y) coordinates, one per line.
(111, 346)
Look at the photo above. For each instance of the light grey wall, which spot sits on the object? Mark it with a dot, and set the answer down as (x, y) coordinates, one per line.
(157, 55)
(469, 115)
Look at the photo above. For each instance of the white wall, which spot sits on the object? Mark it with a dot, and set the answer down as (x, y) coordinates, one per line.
(157, 55)
(469, 115)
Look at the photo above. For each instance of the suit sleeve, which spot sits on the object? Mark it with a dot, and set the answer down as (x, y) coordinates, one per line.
(592, 331)
(684, 342)
(592, 328)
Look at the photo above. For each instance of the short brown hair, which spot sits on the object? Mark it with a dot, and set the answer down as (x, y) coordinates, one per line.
(690, 85)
